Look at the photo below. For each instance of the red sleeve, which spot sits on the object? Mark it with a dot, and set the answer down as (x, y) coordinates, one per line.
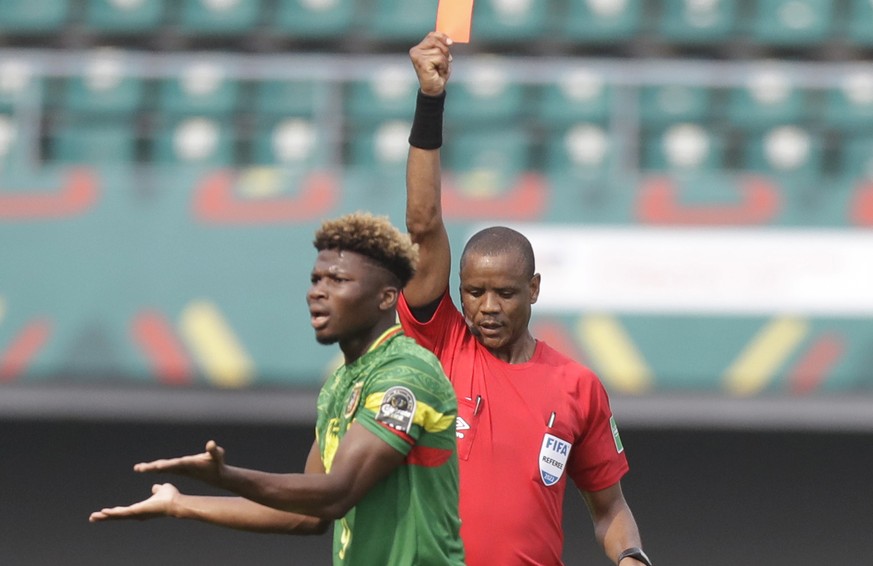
(598, 460)
(441, 332)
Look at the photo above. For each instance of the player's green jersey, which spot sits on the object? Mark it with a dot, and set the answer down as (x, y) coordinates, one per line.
(398, 391)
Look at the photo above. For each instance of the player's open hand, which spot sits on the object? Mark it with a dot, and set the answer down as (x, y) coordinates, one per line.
(206, 466)
(158, 505)
(432, 59)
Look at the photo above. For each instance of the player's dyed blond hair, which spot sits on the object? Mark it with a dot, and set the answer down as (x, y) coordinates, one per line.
(371, 236)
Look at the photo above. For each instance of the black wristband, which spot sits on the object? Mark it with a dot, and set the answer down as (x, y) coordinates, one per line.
(634, 552)
(427, 125)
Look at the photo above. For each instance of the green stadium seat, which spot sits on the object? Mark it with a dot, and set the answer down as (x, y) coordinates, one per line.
(510, 20)
(493, 157)
(859, 28)
(195, 141)
(792, 22)
(314, 19)
(11, 145)
(380, 147)
(584, 151)
(106, 87)
(292, 142)
(219, 17)
(857, 156)
(769, 97)
(21, 85)
(684, 147)
(18, 17)
(124, 16)
(401, 20)
(665, 104)
(578, 95)
(789, 152)
(292, 97)
(849, 106)
(601, 21)
(487, 94)
(204, 88)
(389, 94)
(696, 22)
(96, 144)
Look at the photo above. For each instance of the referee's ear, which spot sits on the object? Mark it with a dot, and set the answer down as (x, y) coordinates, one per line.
(534, 286)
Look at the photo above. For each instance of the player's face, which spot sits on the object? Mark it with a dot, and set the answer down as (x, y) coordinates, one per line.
(496, 295)
(344, 296)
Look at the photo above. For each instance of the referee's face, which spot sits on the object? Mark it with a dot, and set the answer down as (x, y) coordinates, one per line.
(496, 295)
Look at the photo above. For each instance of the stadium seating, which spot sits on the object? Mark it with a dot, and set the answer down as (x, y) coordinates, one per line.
(669, 103)
(792, 22)
(769, 97)
(125, 16)
(21, 85)
(857, 156)
(400, 21)
(219, 17)
(579, 94)
(696, 22)
(276, 98)
(314, 19)
(380, 147)
(96, 144)
(198, 141)
(489, 159)
(859, 30)
(486, 94)
(23, 17)
(510, 20)
(684, 147)
(792, 153)
(203, 87)
(388, 94)
(582, 151)
(292, 142)
(601, 21)
(108, 86)
(849, 105)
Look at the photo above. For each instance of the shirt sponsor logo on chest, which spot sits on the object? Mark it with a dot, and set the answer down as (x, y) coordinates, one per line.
(553, 459)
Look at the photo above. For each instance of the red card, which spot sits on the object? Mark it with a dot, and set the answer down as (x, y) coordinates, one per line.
(455, 18)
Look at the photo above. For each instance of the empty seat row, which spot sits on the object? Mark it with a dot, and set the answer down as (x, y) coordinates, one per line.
(110, 85)
(772, 22)
(496, 154)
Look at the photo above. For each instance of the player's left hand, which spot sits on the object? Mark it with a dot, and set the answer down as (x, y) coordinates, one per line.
(206, 466)
(158, 505)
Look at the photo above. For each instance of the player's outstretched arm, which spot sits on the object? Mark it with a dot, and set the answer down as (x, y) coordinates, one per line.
(232, 512)
(361, 460)
(431, 59)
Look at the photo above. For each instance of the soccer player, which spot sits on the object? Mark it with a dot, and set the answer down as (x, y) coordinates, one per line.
(384, 463)
(528, 417)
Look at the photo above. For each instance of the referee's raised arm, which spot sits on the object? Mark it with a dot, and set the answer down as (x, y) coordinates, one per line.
(431, 59)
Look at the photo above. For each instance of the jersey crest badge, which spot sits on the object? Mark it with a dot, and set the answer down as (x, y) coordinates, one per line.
(553, 459)
(397, 409)
(354, 399)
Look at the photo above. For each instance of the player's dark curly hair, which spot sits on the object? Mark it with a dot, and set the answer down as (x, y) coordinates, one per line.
(371, 236)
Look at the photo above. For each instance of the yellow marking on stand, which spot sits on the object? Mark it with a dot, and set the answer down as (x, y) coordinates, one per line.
(215, 346)
(618, 360)
(757, 364)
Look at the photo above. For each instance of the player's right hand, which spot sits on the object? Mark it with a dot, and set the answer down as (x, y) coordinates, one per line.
(158, 505)
(432, 60)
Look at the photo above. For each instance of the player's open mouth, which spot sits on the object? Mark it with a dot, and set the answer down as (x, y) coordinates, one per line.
(318, 319)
